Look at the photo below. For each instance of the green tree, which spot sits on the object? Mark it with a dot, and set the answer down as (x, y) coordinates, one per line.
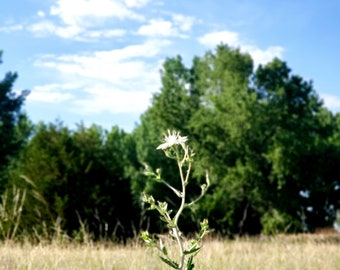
(321, 194)
(224, 132)
(254, 130)
(171, 108)
(291, 110)
(76, 178)
(13, 128)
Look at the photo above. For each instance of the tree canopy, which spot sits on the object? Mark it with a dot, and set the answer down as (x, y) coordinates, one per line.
(254, 130)
(14, 126)
(270, 146)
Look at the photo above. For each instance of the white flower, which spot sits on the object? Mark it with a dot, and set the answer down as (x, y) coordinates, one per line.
(172, 139)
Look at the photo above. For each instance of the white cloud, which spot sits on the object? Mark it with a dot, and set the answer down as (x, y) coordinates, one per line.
(51, 93)
(103, 98)
(84, 20)
(120, 80)
(233, 39)
(95, 98)
(184, 23)
(42, 27)
(88, 12)
(214, 38)
(11, 28)
(105, 33)
(262, 56)
(40, 13)
(331, 101)
(46, 27)
(136, 3)
(90, 20)
(167, 28)
(145, 50)
(158, 28)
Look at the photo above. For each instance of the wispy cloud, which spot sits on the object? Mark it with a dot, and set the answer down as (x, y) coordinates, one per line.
(85, 20)
(46, 28)
(104, 98)
(103, 57)
(51, 93)
(184, 23)
(233, 39)
(88, 12)
(120, 80)
(176, 26)
(263, 56)
(92, 20)
(158, 28)
(136, 3)
(214, 38)
(107, 65)
(11, 28)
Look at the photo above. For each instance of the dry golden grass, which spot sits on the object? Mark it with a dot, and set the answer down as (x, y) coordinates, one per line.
(311, 252)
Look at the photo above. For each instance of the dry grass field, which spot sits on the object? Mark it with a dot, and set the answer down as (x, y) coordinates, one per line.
(304, 252)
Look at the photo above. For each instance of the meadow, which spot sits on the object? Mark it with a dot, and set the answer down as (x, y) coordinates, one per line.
(311, 252)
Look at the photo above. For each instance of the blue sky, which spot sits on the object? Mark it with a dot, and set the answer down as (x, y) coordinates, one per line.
(98, 61)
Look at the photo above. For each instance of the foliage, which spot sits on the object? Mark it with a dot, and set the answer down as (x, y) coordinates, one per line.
(257, 131)
(171, 108)
(223, 129)
(272, 150)
(78, 177)
(14, 128)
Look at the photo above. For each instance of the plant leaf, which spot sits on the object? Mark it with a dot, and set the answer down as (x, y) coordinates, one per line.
(190, 265)
(169, 262)
(192, 250)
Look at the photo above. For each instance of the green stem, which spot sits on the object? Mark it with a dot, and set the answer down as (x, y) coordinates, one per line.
(179, 212)
(176, 230)
(176, 234)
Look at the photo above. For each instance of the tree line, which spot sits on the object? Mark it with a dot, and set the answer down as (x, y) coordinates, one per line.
(272, 150)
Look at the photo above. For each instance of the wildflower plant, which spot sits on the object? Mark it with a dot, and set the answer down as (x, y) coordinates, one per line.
(175, 147)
